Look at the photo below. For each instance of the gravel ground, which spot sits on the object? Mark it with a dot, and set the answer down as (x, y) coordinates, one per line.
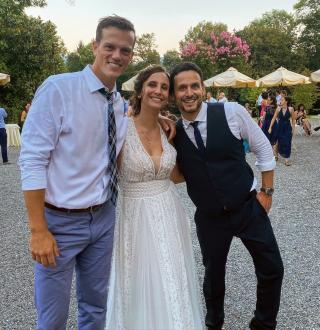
(296, 221)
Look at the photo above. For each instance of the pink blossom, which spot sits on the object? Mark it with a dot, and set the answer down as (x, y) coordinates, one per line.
(222, 47)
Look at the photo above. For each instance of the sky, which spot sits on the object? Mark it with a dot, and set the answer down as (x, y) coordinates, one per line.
(169, 20)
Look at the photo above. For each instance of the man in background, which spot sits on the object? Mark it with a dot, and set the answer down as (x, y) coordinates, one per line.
(3, 136)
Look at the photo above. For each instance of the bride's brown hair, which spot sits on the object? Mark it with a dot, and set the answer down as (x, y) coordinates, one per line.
(138, 84)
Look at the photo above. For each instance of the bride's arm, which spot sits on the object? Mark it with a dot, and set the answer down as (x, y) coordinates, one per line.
(119, 159)
(176, 176)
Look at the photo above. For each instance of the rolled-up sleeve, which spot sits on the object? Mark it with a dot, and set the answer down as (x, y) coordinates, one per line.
(39, 136)
(258, 142)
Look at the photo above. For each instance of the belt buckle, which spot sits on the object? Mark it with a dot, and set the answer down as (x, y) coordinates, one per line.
(94, 208)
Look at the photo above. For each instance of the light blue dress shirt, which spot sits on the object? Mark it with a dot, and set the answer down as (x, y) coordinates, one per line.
(3, 115)
(65, 140)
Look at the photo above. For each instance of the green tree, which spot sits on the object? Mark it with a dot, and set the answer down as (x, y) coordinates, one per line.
(170, 59)
(305, 94)
(308, 17)
(30, 51)
(273, 42)
(278, 19)
(145, 54)
(78, 59)
(202, 31)
(145, 50)
(249, 95)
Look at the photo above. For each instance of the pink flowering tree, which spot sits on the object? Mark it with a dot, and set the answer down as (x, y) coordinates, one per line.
(217, 53)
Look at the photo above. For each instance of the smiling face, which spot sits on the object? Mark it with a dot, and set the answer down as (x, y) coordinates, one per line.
(112, 54)
(188, 93)
(155, 91)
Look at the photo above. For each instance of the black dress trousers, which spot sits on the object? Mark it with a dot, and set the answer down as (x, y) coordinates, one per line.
(252, 225)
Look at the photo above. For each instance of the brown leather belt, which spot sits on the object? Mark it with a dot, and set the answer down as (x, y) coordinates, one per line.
(93, 208)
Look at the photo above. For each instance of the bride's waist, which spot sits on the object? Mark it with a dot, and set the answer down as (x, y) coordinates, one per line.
(144, 189)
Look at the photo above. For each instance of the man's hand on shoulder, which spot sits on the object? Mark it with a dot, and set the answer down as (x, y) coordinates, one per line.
(169, 126)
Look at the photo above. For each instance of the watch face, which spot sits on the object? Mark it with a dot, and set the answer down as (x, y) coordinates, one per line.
(269, 191)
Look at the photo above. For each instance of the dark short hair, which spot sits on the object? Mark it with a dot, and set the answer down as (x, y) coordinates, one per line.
(114, 21)
(288, 100)
(181, 67)
(142, 77)
(264, 95)
(273, 99)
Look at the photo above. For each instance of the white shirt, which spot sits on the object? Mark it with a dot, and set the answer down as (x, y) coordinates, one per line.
(65, 140)
(242, 126)
(211, 100)
(223, 100)
(259, 100)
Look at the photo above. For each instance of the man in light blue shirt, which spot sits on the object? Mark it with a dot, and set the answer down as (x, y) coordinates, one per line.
(210, 98)
(67, 172)
(3, 136)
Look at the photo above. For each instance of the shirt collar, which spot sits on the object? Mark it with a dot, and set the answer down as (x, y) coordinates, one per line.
(201, 117)
(93, 82)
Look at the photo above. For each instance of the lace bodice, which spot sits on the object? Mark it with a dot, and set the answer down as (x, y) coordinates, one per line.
(136, 163)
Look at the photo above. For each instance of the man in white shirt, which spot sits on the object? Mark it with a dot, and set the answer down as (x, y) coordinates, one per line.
(73, 133)
(222, 97)
(210, 99)
(221, 184)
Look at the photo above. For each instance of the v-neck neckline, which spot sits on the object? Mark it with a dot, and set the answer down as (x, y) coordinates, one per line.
(145, 150)
(284, 113)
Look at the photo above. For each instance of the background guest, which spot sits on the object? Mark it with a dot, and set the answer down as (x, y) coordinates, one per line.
(210, 99)
(263, 104)
(286, 124)
(301, 119)
(3, 136)
(222, 97)
(23, 115)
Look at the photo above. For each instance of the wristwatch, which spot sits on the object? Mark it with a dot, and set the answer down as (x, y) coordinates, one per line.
(268, 191)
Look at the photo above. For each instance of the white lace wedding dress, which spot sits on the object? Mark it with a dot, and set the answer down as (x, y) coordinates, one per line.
(153, 283)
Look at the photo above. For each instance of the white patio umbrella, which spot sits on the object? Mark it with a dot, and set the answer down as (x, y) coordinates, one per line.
(4, 79)
(230, 78)
(129, 84)
(282, 77)
(315, 76)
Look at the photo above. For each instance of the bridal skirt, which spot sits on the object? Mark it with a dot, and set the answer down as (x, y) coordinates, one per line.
(153, 283)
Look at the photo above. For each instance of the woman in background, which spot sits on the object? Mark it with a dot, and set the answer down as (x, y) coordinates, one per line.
(264, 103)
(301, 119)
(286, 124)
(269, 113)
(23, 115)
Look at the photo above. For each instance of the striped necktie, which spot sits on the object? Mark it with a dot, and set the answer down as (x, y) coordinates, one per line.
(112, 141)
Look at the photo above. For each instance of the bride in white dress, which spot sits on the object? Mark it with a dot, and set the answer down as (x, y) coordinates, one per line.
(153, 284)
